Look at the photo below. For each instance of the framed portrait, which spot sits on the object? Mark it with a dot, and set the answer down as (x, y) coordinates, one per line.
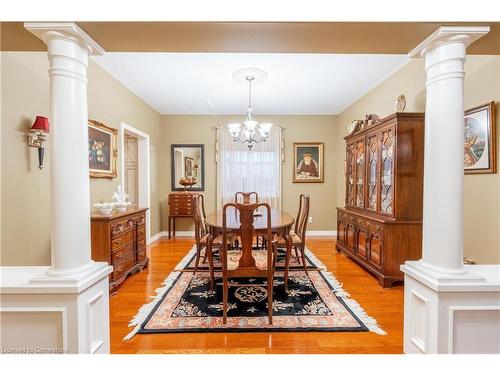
(308, 162)
(480, 140)
(103, 151)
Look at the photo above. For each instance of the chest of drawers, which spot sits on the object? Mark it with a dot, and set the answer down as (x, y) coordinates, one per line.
(120, 240)
(179, 205)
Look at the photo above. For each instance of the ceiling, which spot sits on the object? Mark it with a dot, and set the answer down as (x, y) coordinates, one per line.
(285, 37)
(201, 83)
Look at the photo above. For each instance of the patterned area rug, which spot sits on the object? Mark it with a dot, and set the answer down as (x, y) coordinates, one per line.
(312, 303)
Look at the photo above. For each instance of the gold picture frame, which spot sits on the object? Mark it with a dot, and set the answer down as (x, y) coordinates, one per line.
(102, 150)
(480, 140)
(308, 162)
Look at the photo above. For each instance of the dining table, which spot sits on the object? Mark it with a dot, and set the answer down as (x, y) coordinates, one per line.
(281, 224)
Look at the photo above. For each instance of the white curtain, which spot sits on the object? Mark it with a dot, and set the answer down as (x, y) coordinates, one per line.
(257, 170)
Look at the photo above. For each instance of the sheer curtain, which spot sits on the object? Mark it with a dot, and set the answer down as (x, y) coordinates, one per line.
(258, 170)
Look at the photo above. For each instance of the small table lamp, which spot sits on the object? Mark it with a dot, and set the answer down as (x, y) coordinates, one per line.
(37, 138)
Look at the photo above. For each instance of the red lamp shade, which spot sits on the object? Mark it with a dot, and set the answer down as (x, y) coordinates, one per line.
(41, 124)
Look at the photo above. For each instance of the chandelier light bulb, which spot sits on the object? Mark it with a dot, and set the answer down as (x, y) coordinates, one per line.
(234, 128)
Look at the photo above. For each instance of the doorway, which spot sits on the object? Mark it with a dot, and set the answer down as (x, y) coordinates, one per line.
(135, 169)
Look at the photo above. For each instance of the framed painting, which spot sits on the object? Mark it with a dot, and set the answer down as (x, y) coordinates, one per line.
(480, 140)
(103, 151)
(308, 162)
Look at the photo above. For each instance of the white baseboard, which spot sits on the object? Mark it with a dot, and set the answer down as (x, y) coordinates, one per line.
(190, 233)
(157, 236)
(322, 233)
(178, 233)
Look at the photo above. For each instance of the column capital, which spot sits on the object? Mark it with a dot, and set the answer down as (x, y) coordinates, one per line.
(64, 30)
(449, 34)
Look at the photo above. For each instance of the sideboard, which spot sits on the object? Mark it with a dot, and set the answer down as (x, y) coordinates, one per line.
(120, 240)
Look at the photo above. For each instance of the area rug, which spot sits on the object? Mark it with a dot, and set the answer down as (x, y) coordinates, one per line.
(312, 303)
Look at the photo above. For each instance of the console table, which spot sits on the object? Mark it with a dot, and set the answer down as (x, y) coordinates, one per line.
(180, 205)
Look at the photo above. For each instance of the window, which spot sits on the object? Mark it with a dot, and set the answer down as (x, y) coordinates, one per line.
(258, 170)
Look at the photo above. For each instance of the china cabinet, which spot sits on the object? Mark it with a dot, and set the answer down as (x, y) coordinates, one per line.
(381, 224)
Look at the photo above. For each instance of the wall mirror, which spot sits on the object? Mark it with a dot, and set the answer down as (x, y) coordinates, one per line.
(188, 167)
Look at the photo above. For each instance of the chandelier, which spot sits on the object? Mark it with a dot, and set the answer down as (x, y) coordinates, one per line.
(247, 134)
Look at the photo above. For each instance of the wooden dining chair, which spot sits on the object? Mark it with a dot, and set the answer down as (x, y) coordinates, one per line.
(246, 262)
(298, 235)
(246, 197)
(200, 230)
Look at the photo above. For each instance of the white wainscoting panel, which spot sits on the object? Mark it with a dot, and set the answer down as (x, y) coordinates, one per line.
(45, 326)
(418, 327)
(473, 330)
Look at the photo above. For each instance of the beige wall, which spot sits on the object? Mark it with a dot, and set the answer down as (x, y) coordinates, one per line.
(25, 232)
(200, 129)
(481, 192)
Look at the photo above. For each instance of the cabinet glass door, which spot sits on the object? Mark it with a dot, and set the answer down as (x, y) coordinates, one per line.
(371, 176)
(387, 171)
(350, 162)
(360, 174)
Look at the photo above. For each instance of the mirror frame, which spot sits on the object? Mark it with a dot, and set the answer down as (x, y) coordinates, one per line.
(172, 166)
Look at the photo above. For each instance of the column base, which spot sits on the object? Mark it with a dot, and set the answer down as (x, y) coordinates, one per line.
(451, 313)
(76, 279)
(42, 314)
(440, 278)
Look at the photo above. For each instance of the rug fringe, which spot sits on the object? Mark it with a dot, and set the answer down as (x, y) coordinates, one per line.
(146, 309)
(318, 263)
(368, 321)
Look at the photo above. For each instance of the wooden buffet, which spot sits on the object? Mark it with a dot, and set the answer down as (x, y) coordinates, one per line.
(120, 240)
(381, 225)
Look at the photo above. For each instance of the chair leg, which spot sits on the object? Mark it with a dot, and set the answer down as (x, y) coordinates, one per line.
(270, 288)
(197, 261)
(287, 258)
(208, 250)
(303, 259)
(225, 292)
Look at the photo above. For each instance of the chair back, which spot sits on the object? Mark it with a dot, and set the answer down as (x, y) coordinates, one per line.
(302, 216)
(244, 217)
(199, 216)
(246, 197)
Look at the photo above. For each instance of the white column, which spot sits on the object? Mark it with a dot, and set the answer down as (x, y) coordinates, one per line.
(74, 290)
(448, 307)
(443, 207)
(68, 50)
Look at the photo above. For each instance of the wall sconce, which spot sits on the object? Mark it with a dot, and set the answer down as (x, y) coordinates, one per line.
(37, 137)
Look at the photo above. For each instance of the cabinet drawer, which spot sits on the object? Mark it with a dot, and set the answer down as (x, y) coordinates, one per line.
(121, 226)
(122, 239)
(141, 252)
(123, 259)
(376, 228)
(141, 231)
(139, 219)
(141, 242)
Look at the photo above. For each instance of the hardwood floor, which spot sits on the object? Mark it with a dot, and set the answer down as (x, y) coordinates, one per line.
(385, 305)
